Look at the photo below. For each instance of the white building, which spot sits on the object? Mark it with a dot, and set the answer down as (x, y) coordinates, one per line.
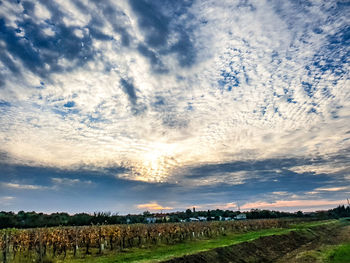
(241, 217)
(151, 220)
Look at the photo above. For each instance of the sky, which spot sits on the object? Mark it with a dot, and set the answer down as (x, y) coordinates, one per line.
(162, 105)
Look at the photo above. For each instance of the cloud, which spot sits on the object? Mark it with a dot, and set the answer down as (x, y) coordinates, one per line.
(71, 189)
(172, 91)
(6, 200)
(332, 189)
(23, 186)
(153, 206)
(321, 168)
(280, 193)
(226, 206)
(295, 204)
(159, 23)
(70, 182)
(265, 170)
(40, 53)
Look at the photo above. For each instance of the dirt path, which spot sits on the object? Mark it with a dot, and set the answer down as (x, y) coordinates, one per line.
(276, 248)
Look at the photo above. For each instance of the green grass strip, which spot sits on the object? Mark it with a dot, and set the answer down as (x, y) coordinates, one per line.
(339, 254)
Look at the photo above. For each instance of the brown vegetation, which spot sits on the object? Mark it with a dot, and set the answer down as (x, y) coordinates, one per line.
(59, 240)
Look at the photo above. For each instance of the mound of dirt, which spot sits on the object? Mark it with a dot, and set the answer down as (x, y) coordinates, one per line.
(312, 252)
(263, 249)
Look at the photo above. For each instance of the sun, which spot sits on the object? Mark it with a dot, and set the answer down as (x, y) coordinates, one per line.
(156, 162)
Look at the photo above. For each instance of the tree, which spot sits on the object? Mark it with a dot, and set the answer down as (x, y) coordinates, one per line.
(300, 214)
(146, 213)
(188, 213)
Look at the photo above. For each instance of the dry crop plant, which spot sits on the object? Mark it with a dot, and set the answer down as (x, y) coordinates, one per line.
(59, 241)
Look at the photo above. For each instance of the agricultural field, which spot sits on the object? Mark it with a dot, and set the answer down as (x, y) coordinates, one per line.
(139, 242)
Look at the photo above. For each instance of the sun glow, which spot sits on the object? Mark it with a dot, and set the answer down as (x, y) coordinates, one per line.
(156, 163)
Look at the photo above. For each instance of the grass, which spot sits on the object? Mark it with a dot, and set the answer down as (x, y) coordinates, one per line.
(164, 252)
(312, 224)
(328, 254)
(339, 254)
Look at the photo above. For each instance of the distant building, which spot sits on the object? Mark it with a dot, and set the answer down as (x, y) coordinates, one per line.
(162, 217)
(151, 220)
(202, 218)
(193, 219)
(241, 217)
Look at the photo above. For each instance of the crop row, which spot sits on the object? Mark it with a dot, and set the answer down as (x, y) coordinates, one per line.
(58, 241)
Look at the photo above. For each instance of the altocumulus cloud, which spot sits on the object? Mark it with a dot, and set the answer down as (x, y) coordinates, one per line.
(184, 93)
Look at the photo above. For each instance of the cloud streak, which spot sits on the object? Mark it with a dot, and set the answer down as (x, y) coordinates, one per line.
(153, 206)
(23, 186)
(302, 204)
(6, 200)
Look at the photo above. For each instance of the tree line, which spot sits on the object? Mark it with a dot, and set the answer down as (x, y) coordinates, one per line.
(33, 219)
